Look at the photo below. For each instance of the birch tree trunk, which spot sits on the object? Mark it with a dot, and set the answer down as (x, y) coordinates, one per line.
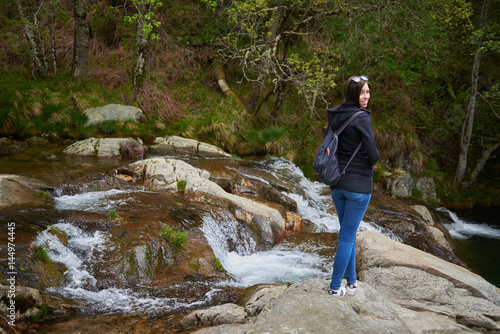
(81, 41)
(468, 124)
(30, 29)
(140, 55)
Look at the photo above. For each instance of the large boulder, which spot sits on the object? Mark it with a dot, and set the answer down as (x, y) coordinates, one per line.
(171, 174)
(425, 284)
(400, 290)
(16, 189)
(124, 148)
(112, 112)
(175, 144)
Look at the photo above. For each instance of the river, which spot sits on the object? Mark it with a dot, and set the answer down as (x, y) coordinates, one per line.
(476, 233)
(291, 261)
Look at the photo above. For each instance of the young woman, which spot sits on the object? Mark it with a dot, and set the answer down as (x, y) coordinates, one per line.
(353, 192)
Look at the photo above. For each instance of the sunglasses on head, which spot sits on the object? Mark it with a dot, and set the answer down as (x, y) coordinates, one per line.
(356, 79)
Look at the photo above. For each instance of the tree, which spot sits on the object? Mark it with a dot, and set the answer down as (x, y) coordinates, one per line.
(146, 25)
(28, 14)
(259, 38)
(81, 40)
(468, 124)
(267, 38)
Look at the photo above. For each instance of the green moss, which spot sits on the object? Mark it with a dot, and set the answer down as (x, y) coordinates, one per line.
(195, 265)
(181, 186)
(44, 310)
(218, 264)
(60, 234)
(173, 237)
(40, 253)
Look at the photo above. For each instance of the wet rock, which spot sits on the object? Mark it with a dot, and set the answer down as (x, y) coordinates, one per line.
(433, 228)
(175, 144)
(214, 316)
(423, 284)
(9, 146)
(112, 112)
(262, 297)
(400, 290)
(38, 141)
(110, 324)
(123, 148)
(165, 174)
(16, 190)
(400, 220)
(25, 303)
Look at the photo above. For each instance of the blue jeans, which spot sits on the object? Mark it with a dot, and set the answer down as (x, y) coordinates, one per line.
(350, 208)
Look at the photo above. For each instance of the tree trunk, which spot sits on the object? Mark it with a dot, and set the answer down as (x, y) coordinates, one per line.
(468, 124)
(480, 165)
(53, 37)
(81, 41)
(270, 52)
(29, 29)
(281, 87)
(141, 54)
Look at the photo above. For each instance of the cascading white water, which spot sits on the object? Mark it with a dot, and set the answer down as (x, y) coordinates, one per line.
(312, 204)
(82, 257)
(280, 264)
(93, 201)
(231, 241)
(462, 229)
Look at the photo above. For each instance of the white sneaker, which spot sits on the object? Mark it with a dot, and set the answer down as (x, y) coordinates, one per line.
(340, 292)
(351, 288)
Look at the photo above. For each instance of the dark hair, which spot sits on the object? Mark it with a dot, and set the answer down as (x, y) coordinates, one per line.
(352, 89)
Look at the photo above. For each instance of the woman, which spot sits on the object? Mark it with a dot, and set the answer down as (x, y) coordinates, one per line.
(353, 192)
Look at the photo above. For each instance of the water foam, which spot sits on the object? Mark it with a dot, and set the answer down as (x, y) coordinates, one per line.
(463, 229)
(82, 256)
(94, 201)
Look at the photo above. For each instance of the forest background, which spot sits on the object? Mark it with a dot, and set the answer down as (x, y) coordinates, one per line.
(256, 77)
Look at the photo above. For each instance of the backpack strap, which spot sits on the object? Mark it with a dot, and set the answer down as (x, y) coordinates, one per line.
(352, 157)
(349, 120)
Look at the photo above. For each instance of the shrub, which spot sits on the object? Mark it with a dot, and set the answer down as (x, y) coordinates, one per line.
(181, 185)
(173, 237)
(40, 252)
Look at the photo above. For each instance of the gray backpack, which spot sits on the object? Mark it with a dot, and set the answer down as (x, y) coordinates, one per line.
(326, 163)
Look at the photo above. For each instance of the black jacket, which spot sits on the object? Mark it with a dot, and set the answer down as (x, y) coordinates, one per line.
(359, 174)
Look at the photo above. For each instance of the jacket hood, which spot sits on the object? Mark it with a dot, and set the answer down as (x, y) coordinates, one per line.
(347, 107)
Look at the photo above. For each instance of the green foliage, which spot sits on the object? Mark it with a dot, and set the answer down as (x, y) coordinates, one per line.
(417, 193)
(181, 185)
(40, 252)
(173, 237)
(112, 214)
(264, 136)
(145, 13)
(218, 264)
(109, 127)
(43, 310)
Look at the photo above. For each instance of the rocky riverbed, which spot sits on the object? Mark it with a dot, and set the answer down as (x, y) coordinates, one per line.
(98, 210)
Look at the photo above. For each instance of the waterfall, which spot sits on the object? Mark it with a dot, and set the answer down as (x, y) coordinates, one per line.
(463, 229)
(82, 256)
(231, 240)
